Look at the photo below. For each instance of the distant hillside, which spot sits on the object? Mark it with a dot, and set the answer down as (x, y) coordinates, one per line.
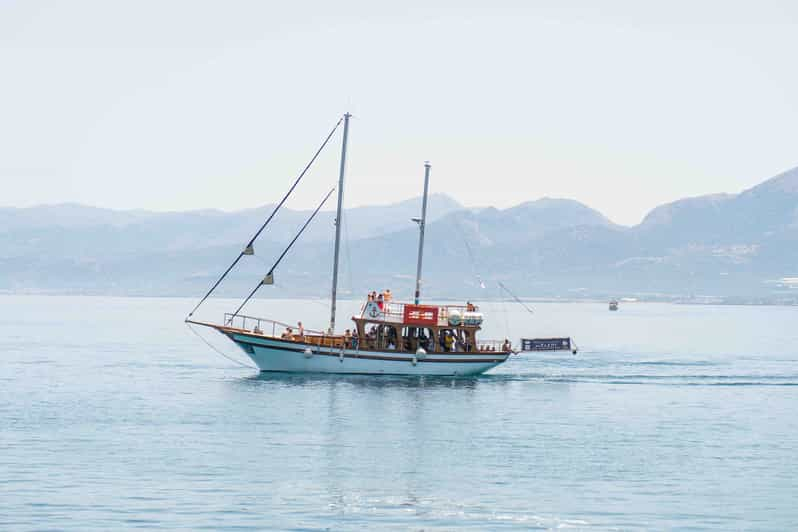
(723, 245)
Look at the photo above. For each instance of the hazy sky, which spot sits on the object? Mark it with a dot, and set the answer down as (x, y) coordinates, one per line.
(176, 105)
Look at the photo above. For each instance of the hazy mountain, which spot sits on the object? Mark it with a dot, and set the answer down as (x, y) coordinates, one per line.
(717, 245)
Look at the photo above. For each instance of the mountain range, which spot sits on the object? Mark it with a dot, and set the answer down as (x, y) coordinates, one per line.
(721, 247)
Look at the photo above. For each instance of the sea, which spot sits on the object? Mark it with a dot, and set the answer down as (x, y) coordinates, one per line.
(115, 415)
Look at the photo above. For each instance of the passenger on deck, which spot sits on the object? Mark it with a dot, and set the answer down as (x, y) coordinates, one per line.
(448, 341)
(470, 307)
(386, 297)
(370, 296)
(288, 334)
(507, 346)
(355, 339)
(423, 342)
(300, 329)
(381, 301)
(348, 339)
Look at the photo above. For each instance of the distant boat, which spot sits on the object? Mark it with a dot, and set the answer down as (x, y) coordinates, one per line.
(613, 305)
(387, 337)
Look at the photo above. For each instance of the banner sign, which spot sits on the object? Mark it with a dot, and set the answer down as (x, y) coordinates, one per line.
(420, 315)
(545, 344)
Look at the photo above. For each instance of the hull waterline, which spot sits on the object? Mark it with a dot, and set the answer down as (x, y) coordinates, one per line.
(271, 354)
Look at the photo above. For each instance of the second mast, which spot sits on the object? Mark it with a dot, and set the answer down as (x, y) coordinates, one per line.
(338, 214)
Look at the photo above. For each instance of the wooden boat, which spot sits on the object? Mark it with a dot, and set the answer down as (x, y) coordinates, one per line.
(388, 337)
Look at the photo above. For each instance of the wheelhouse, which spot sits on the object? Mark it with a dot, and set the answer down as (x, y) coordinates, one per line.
(388, 325)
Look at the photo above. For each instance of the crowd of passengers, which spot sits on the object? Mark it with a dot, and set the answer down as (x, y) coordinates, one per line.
(382, 299)
(448, 341)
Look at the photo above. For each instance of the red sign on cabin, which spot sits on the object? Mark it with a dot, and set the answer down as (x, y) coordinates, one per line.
(420, 315)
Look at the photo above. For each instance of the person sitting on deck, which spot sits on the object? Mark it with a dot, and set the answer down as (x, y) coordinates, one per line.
(388, 296)
(300, 329)
(470, 307)
(380, 301)
(348, 339)
(507, 346)
(288, 334)
(370, 296)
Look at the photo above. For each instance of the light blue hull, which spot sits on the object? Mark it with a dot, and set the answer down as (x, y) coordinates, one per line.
(276, 355)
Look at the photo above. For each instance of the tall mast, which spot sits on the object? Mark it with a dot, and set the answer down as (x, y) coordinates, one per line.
(338, 223)
(421, 223)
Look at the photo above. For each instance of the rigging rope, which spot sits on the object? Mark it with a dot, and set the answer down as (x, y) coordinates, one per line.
(285, 251)
(517, 300)
(345, 220)
(474, 269)
(503, 302)
(248, 248)
(231, 359)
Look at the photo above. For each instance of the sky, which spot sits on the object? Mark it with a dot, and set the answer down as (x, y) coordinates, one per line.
(178, 105)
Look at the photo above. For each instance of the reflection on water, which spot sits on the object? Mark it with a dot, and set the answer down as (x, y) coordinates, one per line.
(113, 416)
(368, 381)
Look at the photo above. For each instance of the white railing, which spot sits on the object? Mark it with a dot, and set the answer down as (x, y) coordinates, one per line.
(491, 346)
(261, 325)
(393, 312)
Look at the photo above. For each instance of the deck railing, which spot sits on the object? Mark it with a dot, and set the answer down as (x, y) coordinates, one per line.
(261, 325)
(491, 345)
(276, 329)
(393, 312)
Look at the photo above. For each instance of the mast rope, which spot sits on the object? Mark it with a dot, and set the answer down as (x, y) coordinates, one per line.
(345, 219)
(471, 258)
(248, 248)
(218, 351)
(285, 251)
(515, 297)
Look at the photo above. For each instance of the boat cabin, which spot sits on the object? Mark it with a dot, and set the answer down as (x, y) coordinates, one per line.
(389, 325)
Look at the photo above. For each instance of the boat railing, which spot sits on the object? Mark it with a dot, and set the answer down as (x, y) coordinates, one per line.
(394, 312)
(261, 325)
(490, 345)
(278, 329)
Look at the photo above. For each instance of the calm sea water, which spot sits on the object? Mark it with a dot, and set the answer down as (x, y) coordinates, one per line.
(114, 415)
